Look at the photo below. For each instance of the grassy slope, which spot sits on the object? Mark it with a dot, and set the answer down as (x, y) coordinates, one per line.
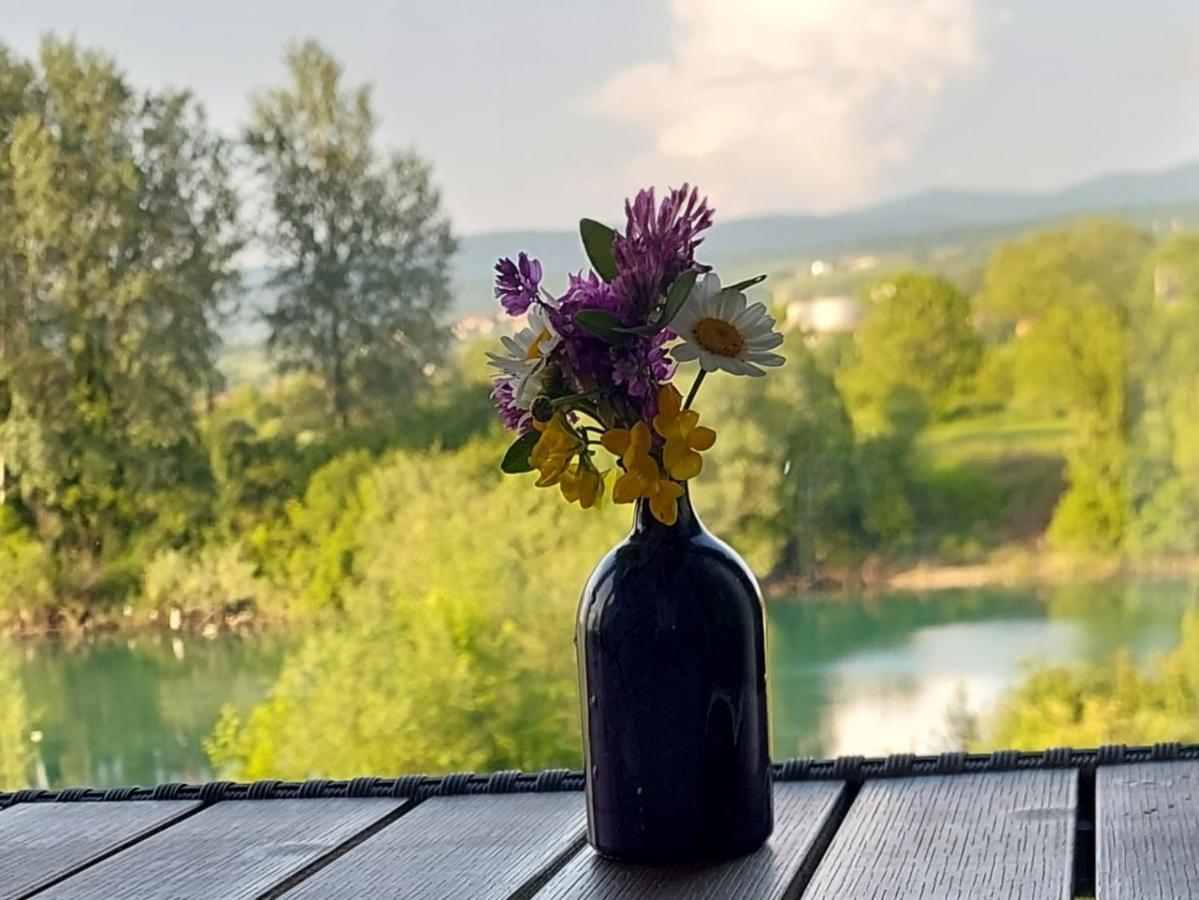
(1006, 471)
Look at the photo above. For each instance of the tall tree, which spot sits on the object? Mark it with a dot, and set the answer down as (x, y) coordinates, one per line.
(1164, 451)
(16, 81)
(120, 205)
(363, 245)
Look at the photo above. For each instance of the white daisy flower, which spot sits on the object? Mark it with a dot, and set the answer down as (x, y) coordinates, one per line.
(527, 350)
(720, 330)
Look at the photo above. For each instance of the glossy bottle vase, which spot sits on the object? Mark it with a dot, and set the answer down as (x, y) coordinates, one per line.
(672, 673)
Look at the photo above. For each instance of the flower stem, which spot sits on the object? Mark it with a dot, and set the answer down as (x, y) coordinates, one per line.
(569, 398)
(699, 379)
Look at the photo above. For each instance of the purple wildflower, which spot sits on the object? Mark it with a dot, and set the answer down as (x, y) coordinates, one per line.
(513, 417)
(585, 292)
(658, 244)
(637, 366)
(517, 283)
(588, 357)
(641, 366)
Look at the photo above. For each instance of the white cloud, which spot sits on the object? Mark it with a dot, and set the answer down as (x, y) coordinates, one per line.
(783, 104)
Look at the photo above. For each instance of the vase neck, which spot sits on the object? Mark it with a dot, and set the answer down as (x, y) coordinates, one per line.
(646, 526)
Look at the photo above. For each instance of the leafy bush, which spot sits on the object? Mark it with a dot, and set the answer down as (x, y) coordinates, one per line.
(28, 569)
(15, 754)
(1116, 702)
(453, 649)
(216, 578)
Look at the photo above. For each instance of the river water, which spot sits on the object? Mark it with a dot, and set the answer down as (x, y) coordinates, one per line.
(848, 674)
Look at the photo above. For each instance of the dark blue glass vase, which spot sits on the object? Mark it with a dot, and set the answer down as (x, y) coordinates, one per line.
(672, 675)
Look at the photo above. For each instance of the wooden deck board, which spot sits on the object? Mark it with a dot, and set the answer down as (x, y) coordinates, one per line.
(801, 812)
(450, 848)
(1006, 836)
(232, 850)
(999, 834)
(42, 842)
(1147, 841)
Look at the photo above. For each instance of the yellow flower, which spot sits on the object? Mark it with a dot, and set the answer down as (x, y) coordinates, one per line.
(685, 437)
(641, 474)
(664, 502)
(582, 484)
(554, 450)
(642, 477)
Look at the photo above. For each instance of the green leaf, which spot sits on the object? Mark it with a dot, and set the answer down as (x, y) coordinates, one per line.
(601, 323)
(516, 460)
(679, 291)
(643, 330)
(747, 283)
(597, 241)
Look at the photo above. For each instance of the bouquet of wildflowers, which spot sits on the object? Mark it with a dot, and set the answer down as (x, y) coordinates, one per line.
(587, 382)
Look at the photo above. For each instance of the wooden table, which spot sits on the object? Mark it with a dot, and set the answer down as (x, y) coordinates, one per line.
(1110, 823)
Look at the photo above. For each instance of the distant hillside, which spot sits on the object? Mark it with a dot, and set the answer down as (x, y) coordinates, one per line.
(911, 225)
(911, 222)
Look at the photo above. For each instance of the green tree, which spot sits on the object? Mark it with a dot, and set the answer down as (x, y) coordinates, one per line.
(790, 482)
(121, 206)
(1092, 261)
(1070, 300)
(781, 482)
(916, 354)
(363, 242)
(1164, 357)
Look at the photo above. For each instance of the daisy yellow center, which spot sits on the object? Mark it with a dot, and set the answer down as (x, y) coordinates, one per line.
(535, 347)
(719, 337)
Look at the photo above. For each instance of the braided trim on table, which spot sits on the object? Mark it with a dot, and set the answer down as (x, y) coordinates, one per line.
(854, 769)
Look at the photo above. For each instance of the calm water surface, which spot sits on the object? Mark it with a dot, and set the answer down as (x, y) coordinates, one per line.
(893, 673)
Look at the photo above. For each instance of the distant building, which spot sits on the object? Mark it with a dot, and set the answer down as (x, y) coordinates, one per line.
(823, 315)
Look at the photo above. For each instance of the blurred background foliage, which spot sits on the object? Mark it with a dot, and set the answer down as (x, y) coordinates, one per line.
(1042, 407)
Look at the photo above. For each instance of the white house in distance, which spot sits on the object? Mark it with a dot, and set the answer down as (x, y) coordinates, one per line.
(823, 315)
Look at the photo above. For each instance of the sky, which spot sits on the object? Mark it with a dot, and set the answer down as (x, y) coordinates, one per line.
(535, 112)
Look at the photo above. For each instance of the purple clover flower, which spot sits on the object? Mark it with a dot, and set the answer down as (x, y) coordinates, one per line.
(641, 366)
(589, 358)
(503, 395)
(658, 244)
(517, 283)
(635, 367)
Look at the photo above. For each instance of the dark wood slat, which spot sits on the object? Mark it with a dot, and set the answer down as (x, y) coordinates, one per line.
(801, 813)
(1006, 836)
(450, 848)
(235, 849)
(42, 842)
(1147, 846)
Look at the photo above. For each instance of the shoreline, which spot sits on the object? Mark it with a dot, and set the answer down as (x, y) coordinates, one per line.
(1010, 567)
(59, 624)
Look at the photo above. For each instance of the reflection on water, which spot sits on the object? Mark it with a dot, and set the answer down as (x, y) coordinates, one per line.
(129, 709)
(892, 673)
(915, 674)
